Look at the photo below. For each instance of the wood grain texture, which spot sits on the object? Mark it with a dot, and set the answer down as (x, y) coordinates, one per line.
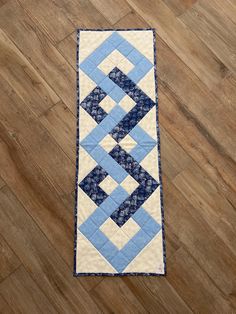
(9, 261)
(179, 6)
(197, 98)
(4, 306)
(2, 183)
(22, 76)
(112, 10)
(23, 295)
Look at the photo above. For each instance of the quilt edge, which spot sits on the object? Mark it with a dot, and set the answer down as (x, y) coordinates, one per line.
(76, 274)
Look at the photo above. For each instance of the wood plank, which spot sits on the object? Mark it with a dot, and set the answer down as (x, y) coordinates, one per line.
(23, 295)
(35, 140)
(184, 88)
(228, 9)
(197, 143)
(69, 201)
(67, 48)
(2, 183)
(157, 295)
(194, 285)
(2, 2)
(185, 44)
(68, 15)
(113, 295)
(41, 260)
(179, 6)
(50, 17)
(85, 15)
(132, 20)
(172, 242)
(39, 51)
(61, 124)
(9, 262)
(20, 74)
(206, 20)
(112, 10)
(4, 307)
(209, 203)
(174, 158)
(200, 240)
(198, 101)
(226, 92)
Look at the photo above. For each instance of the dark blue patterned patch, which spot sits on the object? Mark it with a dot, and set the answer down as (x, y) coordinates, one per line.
(91, 104)
(142, 107)
(90, 185)
(147, 186)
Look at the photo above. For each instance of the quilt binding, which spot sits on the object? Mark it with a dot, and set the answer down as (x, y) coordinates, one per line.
(75, 274)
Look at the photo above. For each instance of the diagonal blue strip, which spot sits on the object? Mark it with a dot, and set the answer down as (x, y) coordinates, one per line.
(145, 143)
(141, 137)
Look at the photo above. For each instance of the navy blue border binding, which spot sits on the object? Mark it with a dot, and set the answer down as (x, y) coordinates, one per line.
(75, 274)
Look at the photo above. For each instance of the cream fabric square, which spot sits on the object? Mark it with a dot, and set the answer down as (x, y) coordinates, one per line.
(108, 143)
(90, 164)
(119, 239)
(148, 123)
(86, 85)
(106, 66)
(153, 206)
(147, 84)
(107, 104)
(109, 63)
(128, 143)
(116, 57)
(87, 206)
(129, 184)
(87, 123)
(127, 103)
(125, 66)
(109, 228)
(151, 164)
(108, 185)
(89, 41)
(130, 228)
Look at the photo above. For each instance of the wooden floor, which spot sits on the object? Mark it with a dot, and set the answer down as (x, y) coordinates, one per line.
(196, 49)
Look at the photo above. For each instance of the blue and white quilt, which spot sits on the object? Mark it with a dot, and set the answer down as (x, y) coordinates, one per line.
(118, 214)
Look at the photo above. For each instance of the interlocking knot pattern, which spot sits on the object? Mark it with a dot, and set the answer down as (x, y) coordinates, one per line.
(119, 219)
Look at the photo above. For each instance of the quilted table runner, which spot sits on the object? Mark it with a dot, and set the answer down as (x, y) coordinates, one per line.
(118, 212)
